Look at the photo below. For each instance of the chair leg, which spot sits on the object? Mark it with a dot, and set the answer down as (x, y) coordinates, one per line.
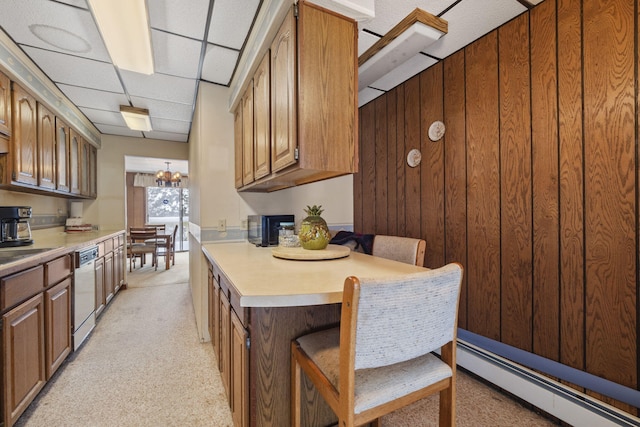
(295, 390)
(448, 405)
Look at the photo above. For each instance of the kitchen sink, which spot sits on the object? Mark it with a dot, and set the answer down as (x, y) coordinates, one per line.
(11, 255)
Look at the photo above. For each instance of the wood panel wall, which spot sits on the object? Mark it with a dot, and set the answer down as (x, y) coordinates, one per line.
(136, 203)
(535, 186)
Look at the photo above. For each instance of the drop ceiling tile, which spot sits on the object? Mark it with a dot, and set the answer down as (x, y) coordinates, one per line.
(471, 19)
(104, 117)
(160, 86)
(231, 21)
(176, 17)
(365, 41)
(53, 26)
(389, 13)
(219, 64)
(167, 136)
(175, 55)
(62, 68)
(92, 98)
(367, 95)
(172, 126)
(118, 130)
(403, 72)
(165, 109)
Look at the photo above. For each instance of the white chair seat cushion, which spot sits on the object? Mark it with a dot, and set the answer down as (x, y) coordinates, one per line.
(374, 386)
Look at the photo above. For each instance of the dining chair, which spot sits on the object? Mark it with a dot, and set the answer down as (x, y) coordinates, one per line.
(380, 357)
(403, 249)
(140, 242)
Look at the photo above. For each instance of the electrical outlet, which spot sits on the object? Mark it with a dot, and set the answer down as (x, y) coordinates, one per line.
(222, 225)
(243, 224)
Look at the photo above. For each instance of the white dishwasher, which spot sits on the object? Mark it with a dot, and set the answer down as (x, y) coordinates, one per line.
(84, 295)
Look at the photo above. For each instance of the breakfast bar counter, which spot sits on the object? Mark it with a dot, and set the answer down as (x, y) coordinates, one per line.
(258, 303)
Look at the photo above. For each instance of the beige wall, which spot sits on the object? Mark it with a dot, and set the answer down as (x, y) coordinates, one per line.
(41, 205)
(213, 195)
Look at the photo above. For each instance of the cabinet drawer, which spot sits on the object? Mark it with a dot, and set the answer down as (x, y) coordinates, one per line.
(20, 286)
(108, 246)
(57, 270)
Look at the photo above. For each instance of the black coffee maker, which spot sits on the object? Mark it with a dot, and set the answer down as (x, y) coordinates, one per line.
(14, 226)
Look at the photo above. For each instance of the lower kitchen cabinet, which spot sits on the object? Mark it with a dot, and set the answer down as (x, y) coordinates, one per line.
(57, 303)
(239, 372)
(99, 271)
(225, 345)
(109, 269)
(23, 338)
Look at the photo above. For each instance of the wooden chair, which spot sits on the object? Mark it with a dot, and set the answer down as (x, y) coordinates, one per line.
(380, 359)
(168, 249)
(142, 241)
(403, 249)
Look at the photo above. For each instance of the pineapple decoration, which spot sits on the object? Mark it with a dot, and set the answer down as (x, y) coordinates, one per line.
(314, 232)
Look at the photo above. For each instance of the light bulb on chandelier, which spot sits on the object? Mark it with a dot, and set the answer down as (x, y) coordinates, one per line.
(168, 179)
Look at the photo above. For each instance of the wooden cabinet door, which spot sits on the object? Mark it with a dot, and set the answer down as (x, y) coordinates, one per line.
(283, 95)
(109, 284)
(262, 119)
(5, 105)
(75, 154)
(23, 356)
(46, 148)
(25, 143)
(57, 304)
(100, 296)
(247, 136)
(62, 155)
(85, 168)
(215, 338)
(93, 171)
(239, 373)
(118, 268)
(225, 344)
(238, 140)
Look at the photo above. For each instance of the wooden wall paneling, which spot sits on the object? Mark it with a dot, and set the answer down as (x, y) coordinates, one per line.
(610, 178)
(432, 167)
(381, 179)
(483, 200)
(367, 148)
(392, 166)
(357, 182)
(401, 153)
(515, 184)
(544, 152)
(572, 332)
(412, 140)
(455, 208)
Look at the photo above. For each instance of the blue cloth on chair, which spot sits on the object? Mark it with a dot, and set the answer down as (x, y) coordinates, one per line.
(358, 242)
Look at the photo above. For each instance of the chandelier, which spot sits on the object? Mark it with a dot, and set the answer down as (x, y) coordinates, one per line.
(167, 179)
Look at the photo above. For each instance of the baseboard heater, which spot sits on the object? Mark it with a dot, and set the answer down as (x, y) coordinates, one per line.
(552, 397)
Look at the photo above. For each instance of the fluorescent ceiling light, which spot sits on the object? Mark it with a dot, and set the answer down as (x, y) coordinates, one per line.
(412, 35)
(136, 118)
(124, 26)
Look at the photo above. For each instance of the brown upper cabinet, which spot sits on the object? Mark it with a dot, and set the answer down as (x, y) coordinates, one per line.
(5, 107)
(312, 114)
(75, 162)
(247, 136)
(46, 148)
(238, 138)
(62, 155)
(24, 137)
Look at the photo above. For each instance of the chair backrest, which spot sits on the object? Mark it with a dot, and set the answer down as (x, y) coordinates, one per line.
(140, 234)
(403, 249)
(393, 320)
(173, 238)
(159, 227)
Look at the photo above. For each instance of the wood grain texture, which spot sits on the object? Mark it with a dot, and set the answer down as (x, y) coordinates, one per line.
(46, 148)
(247, 137)
(455, 172)
(392, 162)
(483, 186)
(412, 140)
(610, 188)
(381, 179)
(432, 167)
(401, 153)
(272, 330)
(515, 183)
(367, 150)
(357, 182)
(544, 152)
(5, 105)
(262, 119)
(24, 137)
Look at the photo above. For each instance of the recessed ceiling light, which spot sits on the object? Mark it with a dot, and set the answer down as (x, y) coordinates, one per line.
(60, 38)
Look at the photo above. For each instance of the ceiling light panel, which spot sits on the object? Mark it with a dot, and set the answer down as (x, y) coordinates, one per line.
(70, 69)
(219, 64)
(179, 18)
(176, 55)
(55, 25)
(231, 21)
(160, 86)
(471, 19)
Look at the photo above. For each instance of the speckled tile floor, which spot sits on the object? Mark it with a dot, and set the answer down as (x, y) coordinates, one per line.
(144, 366)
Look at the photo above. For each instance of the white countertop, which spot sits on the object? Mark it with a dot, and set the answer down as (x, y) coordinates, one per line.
(263, 280)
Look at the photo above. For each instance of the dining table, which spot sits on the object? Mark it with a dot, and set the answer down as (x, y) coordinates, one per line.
(162, 239)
